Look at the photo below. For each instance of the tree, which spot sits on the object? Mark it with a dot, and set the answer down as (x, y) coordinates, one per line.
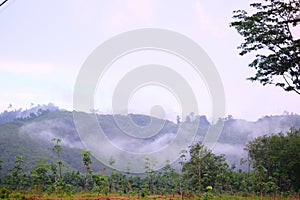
(149, 169)
(39, 175)
(178, 119)
(52, 177)
(205, 169)
(112, 175)
(269, 31)
(170, 179)
(59, 184)
(194, 166)
(16, 176)
(57, 149)
(182, 180)
(87, 161)
(276, 160)
(100, 184)
(74, 182)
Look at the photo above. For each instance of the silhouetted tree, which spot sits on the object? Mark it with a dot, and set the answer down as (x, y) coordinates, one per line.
(269, 31)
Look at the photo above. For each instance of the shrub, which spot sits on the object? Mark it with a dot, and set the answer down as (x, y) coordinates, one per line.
(4, 193)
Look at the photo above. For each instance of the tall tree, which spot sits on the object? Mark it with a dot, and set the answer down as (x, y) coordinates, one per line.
(57, 149)
(112, 175)
(150, 172)
(269, 30)
(87, 161)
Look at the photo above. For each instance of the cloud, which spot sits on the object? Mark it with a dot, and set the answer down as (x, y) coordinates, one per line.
(158, 143)
(142, 146)
(228, 149)
(207, 23)
(32, 68)
(47, 129)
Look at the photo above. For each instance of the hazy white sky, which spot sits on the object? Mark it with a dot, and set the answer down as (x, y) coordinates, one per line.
(43, 45)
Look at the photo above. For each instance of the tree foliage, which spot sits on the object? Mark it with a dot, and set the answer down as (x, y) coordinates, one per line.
(87, 161)
(276, 159)
(275, 168)
(57, 149)
(205, 169)
(16, 177)
(268, 31)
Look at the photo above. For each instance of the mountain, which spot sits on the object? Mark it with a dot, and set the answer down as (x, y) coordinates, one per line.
(8, 116)
(29, 133)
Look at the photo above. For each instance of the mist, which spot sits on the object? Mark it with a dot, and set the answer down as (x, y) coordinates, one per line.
(141, 135)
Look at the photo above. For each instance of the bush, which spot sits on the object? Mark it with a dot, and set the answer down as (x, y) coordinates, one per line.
(17, 196)
(4, 193)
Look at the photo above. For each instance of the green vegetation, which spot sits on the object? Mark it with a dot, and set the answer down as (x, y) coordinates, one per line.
(274, 172)
(276, 161)
(269, 31)
(30, 137)
(33, 164)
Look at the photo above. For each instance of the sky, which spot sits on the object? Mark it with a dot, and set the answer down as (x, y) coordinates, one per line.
(44, 44)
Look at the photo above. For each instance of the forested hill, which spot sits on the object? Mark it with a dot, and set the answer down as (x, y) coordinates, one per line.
(30, 135)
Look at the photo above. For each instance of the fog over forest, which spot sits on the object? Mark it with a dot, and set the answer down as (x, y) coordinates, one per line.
(44, 122)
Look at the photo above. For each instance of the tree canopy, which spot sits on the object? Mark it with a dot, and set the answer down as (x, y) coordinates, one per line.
(277, 158)
(269, 31)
